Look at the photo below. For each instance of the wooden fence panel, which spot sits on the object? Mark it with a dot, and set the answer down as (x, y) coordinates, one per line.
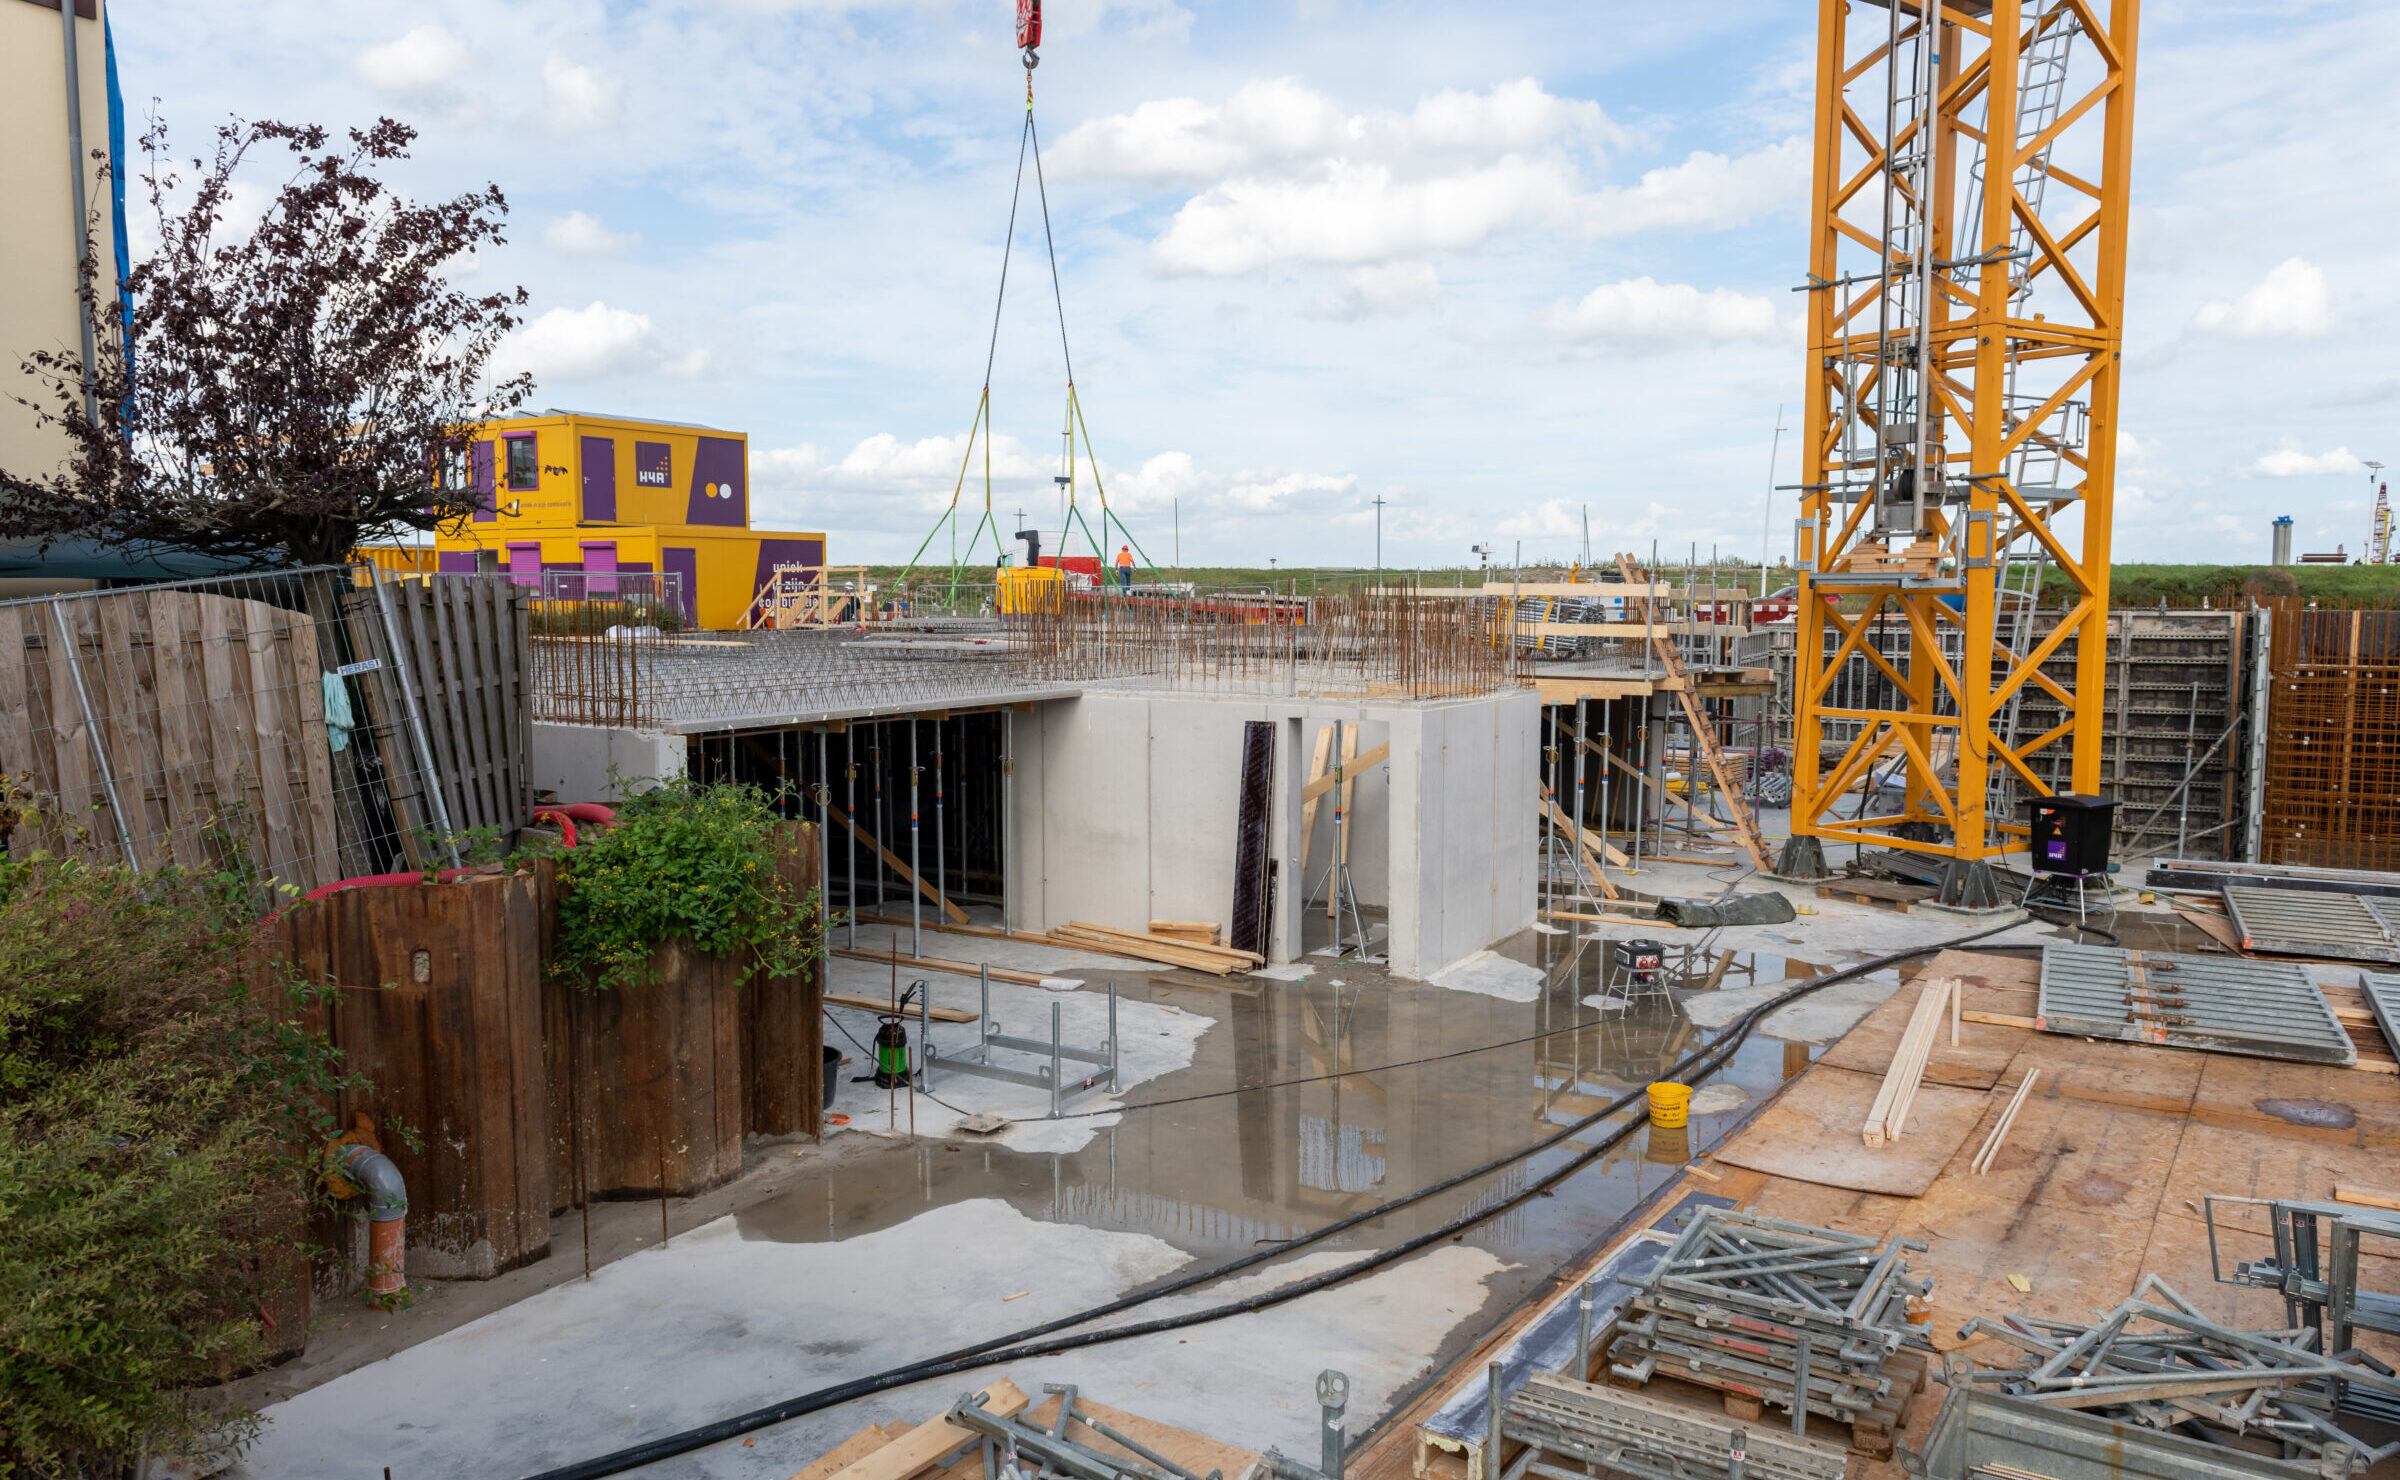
(783, 1035)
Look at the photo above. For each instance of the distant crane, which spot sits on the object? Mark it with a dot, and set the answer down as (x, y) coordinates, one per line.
(2379, 523)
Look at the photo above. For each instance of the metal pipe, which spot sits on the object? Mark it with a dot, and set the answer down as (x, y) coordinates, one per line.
(1582, 720)
(1054, 1056)
(432, 779)
(1495, 1393)
(108, 780)
(1008, 772)
(941, 856)
(850, 768)
(1583, 1329)
(81, 225)
(916, 865)
(1112, 1037)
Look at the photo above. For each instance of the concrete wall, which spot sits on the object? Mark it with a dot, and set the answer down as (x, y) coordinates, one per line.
(588, 763)
(38, 307)
(1124, 802)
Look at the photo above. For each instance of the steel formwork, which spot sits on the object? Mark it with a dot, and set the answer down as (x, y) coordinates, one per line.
(2333, 738)
(2266, 1009)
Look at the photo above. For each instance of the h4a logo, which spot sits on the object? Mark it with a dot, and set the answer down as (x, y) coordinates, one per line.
(653, 465)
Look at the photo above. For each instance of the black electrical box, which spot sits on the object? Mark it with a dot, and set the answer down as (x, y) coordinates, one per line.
(2070, 833)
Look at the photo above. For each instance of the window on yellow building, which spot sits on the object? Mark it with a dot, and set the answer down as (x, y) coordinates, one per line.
(524, 465)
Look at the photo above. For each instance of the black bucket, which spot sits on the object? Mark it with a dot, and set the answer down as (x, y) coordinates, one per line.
(833, 1074)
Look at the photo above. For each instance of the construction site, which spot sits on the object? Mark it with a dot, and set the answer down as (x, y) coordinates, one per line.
(1391, 1025)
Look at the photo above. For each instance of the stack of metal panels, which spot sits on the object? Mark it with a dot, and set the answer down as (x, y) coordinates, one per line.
(2383, 999)
(2156, 1361)
(2292, 922)
(1766, 1309)
(2267, 1009)
(1587, 1427)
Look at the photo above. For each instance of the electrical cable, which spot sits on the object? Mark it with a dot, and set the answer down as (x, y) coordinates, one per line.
(1020, 1345)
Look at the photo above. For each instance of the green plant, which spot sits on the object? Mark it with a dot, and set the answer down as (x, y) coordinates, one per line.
(157, 1086)
(688, 861)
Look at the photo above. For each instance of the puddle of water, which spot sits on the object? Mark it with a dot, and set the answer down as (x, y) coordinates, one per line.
(1217, 1176)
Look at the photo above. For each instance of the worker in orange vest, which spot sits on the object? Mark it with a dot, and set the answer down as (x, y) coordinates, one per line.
(1125, 567)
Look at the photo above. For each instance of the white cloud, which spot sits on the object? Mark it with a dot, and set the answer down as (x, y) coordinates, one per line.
(1707, 191)
(1267, 493)
(1154, 485)
(427, 59)
(1280, 122)
(2291, 302)
(1393, 287)
(592, 343)
(1644, 312)
(1356, 214)
(2132, 452)
(578, 99)
(580, 235)
(2288, 461)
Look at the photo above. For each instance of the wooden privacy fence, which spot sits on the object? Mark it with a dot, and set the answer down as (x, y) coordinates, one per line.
(263, 720)
(2332, 796)
(169, 724)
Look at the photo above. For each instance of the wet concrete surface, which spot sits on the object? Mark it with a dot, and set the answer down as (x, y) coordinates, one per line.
(1303, 1101)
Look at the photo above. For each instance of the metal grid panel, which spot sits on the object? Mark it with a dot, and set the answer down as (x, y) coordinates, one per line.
(2346, 927)
(2264, 1008)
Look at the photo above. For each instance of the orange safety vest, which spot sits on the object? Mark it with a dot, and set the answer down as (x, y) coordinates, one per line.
(1125, 559)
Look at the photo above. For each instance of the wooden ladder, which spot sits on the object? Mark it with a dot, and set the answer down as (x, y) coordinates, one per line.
(1704, 732)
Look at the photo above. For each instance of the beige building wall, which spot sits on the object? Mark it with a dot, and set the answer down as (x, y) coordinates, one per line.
(37, 227)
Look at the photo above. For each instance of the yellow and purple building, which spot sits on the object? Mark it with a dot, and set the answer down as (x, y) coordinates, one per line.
(571, 491)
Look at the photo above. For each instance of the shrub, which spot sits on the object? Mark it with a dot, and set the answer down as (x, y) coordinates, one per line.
(151, 1100)
(685, 861)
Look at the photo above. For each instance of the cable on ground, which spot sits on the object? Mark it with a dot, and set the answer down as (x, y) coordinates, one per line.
(1024, 1344)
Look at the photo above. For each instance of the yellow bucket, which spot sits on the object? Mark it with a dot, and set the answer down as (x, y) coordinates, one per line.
(1669, 1104)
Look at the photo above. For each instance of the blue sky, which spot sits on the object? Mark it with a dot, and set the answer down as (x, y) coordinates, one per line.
(1493, 264)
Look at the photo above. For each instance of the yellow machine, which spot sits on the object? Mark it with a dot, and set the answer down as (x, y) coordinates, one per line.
(1966, 296)
(565, 492)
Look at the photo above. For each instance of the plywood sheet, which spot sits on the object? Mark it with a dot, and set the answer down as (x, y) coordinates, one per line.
(1868, 1213)
(2244, 1161)
(1985, 970)
(2317, 1102)
(2107, 1072)
(1811, 1133)
(1983, 1052)
(2062, 1153)
(2076, 1260)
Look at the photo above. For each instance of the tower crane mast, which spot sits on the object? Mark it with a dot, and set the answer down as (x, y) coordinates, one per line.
(1966, 290)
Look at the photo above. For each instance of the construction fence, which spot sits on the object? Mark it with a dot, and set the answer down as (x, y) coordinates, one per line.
(302, 726)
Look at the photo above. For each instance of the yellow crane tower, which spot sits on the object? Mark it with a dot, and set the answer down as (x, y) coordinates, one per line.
(1966, 294)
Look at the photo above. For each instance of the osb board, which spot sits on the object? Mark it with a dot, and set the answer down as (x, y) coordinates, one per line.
(1983, 1052)
(1982, 969)
(2135, 1075)
(1811, 1133)
(2075, 1259)
(2245, 1160)
(2068, 1154)
(2315, 1102)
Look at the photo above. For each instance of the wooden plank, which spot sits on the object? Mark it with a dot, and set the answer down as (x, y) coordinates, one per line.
(1134, 937)
(313, 750)
(858, 1446)
(2366, 1197)
(953, 968)
(476, 700)
(225, 720)
(385, 726)
(1194, 958)
(956, 914)
(79, 790)
(172, 619)
(1668, 797)
(1564, 826)
(884, 1004)
(516, 703)
(1810, 1134)
(19, 739)
(1704, 736)
(469, 803)
(923, 1446)
(261, 672)
(1330, 779)
(127, 699)
(412, 614)
(1309, 805)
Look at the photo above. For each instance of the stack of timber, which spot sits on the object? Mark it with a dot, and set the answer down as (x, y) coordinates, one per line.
(1069, 1434)
(1770, 1312)
(1888, 1116)
(1166, 950)
(1192, 932)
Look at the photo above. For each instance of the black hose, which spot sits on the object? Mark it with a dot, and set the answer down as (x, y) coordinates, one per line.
(1019, 1345)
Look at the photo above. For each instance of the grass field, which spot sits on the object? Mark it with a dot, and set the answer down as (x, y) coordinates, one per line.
(2179, 586)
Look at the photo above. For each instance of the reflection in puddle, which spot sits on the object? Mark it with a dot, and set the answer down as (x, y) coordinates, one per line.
(1451, 1080)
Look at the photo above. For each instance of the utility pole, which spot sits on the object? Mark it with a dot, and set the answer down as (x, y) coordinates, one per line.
(1379, 502)
(1766, 523)
(1177, 503)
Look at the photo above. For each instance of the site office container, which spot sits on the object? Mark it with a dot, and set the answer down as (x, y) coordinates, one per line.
(570, 491)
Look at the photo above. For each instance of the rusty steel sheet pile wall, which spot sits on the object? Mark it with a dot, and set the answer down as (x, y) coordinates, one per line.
(440, 1011)
(2333, 737)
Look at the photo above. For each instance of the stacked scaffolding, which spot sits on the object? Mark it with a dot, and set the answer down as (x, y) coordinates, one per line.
(1805, 1319)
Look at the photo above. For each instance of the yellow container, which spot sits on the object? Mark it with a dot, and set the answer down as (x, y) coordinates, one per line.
(1031, 588)
(1670, 1104)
